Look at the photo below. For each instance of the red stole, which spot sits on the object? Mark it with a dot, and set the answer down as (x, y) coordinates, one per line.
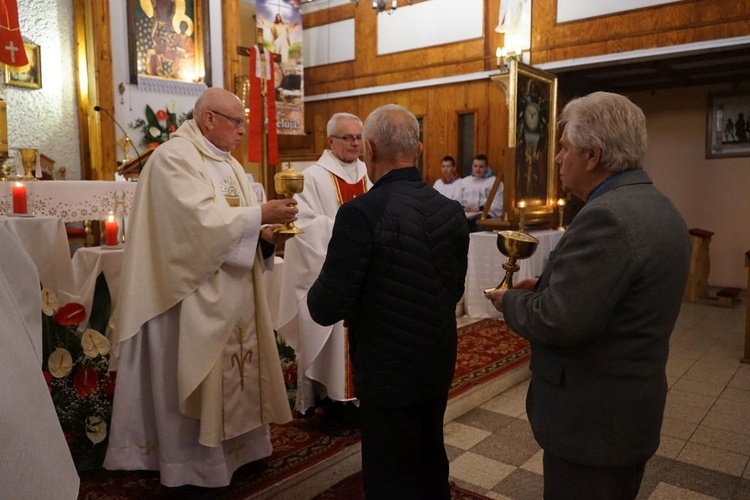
(345, 191)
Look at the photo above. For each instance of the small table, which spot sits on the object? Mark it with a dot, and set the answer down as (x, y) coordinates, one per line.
(485, 268)
(88, 263)
(46, 242)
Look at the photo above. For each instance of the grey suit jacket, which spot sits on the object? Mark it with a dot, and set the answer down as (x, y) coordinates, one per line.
(599, 325)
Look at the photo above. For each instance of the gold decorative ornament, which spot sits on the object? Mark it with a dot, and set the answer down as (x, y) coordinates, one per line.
(28, 160)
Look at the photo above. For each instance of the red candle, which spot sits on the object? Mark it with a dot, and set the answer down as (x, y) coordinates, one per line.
(19, 199)
(110, 231)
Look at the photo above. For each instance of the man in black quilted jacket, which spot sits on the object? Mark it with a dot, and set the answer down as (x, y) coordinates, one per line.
(394, 272)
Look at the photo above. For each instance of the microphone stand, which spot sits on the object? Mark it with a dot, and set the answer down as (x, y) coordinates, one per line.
(125, 162)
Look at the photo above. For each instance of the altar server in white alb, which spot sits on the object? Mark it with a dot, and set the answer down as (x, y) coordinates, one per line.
(199, 376)
(474, 190)
(35, 461)
(337, 177)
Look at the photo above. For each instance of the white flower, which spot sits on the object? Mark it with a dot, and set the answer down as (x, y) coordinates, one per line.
(60, 363)
(94, 343)
(49, 302)
(171, 106)
(96, 429)
(154, 132)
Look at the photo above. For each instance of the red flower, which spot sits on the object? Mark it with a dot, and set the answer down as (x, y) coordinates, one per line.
(108, 386)
(153, 145)
(70, 436)
(161, 115)
(171, 128)
(71, 313)
(290, 374)
(86, 381)
(48, 379)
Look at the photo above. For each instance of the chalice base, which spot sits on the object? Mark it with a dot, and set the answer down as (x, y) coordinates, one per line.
(289, 229)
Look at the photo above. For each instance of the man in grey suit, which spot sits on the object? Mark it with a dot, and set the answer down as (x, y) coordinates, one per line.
(600, 316)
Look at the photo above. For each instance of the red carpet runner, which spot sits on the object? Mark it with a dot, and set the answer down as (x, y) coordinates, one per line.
(486, 349)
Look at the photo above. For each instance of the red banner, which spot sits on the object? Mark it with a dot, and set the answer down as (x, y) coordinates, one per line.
(12, 52)
(255, 128)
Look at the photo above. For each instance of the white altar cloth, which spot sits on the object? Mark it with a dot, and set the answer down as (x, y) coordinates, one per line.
(74, 201)
(486, 268)
(88, 263)
(46, 242)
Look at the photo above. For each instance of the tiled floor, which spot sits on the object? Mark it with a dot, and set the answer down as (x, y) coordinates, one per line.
(705, 443)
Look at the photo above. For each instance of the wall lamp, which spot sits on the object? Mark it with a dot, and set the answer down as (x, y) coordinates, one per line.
(382, 6)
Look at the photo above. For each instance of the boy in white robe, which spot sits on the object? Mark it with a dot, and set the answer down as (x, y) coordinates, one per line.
(473, 191)
(199, 376)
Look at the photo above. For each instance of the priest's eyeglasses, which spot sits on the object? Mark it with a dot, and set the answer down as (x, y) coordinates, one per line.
(238, 122)
(349, 138)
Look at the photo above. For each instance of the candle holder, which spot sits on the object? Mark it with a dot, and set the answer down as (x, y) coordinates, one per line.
(522, 216)
(28, 160)
(560, 213)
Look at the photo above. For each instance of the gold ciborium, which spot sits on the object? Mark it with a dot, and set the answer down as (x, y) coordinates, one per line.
(515, 245)
(289, 182)
(28, 160)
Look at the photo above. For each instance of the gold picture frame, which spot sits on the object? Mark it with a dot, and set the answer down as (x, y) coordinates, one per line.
(169, 40)
(29, 76)
(727, 125)
(529, 170)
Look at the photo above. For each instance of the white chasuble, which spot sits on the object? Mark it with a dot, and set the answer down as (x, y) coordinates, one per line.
(322, 351)
(198, 374)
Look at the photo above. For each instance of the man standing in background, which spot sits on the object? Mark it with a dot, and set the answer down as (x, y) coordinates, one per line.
(323, 366)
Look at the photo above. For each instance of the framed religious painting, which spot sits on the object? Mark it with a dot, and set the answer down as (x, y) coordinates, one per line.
(29, 76)
(529, 172)
(169, 39)
(728, 125)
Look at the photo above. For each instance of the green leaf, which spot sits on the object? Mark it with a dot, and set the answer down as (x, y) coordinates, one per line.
(101, 307)
(151, 117)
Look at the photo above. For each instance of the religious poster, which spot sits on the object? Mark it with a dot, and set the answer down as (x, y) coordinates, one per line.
(281, 22)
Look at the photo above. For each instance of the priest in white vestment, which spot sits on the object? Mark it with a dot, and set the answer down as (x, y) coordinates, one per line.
(199, 377)
(473, 192)
(35, 461)
(323, 366)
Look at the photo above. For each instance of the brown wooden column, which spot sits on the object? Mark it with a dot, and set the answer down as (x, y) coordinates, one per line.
(700, 265)
(95, 87)
(746, 354)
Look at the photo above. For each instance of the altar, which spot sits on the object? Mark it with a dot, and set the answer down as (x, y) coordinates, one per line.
(485, 268)
(74, 201)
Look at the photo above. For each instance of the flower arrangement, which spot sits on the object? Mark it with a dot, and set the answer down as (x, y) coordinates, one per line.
(159, 124)
(289, 369)
(76, 368)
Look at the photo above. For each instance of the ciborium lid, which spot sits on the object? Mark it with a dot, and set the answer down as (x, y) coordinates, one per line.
(288, 174)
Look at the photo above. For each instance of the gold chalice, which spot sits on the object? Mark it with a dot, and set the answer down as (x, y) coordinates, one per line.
(515, 245)
(289, 182)
(28, 160)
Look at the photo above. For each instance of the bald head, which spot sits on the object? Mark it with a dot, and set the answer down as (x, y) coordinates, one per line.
(220, 115)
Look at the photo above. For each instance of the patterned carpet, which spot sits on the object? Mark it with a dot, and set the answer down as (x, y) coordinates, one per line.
(486, 349)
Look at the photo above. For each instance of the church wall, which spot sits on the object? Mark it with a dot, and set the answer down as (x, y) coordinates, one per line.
(710, 194)
(687, 21)
(45, 118)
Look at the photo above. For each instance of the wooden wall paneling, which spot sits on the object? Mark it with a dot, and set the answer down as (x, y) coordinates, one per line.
(670, 24)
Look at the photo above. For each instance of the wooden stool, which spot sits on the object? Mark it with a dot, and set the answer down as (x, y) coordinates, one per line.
(700, 265)
(746, 356)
